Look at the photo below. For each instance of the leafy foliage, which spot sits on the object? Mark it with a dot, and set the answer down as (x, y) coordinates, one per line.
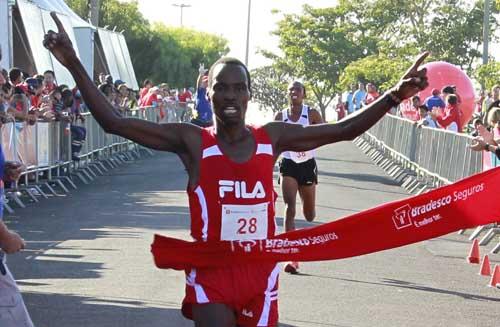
(489, 74)
(158, 52)
(269, 85)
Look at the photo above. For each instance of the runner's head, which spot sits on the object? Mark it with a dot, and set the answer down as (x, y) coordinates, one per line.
(229, 89)
(297, 92)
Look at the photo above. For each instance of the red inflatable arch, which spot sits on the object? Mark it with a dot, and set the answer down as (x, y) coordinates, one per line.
(440, 74)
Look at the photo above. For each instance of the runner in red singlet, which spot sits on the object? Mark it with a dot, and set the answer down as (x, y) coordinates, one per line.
(230, 176)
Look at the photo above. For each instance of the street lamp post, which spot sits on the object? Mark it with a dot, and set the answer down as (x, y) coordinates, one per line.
(486, 30)
(248, 32)
(182, 6)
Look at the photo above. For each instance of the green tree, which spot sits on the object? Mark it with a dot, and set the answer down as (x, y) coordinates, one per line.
(489, 74)
(450, 29)
(162, 54)
(269, 87)
(317, 46)
(380, 70)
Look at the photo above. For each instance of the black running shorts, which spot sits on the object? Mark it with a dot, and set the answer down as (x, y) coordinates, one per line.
(305, 173)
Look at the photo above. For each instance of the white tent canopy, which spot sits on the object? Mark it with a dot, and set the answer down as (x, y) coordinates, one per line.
(35, 16)
(4, 34)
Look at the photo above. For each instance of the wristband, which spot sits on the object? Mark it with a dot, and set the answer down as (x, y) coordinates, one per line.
(487, 147)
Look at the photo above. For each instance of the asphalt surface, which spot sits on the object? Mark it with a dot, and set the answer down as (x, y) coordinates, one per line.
(88, 260)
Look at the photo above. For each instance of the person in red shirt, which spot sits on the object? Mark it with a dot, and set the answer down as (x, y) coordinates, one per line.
(146, 85)
(230, 176)
(340, 107)
(151, 99)
(371, 94)
(451, 118)
(49, 82)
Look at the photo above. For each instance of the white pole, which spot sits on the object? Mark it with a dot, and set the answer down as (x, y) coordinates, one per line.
(248, 32)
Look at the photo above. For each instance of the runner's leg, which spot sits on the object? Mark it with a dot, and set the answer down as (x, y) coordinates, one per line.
(289, 188)
(308, 197)
(213, 315)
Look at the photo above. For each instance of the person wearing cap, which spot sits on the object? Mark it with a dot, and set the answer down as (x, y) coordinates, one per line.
(434, 100)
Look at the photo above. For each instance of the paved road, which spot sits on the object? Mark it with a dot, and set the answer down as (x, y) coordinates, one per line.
(88, 261)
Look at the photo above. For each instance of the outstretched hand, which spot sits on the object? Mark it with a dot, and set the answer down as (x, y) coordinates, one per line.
(59, 44)
(413, 81)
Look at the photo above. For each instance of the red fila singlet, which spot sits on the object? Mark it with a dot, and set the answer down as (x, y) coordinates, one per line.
(234, 201)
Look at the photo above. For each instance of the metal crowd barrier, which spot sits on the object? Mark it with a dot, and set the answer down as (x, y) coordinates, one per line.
(45, 149)
(440, 155)
(422, 158)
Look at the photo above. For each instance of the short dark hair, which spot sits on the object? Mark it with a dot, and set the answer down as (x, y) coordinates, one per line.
(452, 99)
(448, 89)
(49, 72)
(230, 61)
(146, 82)
(15, 73)
(415, 97)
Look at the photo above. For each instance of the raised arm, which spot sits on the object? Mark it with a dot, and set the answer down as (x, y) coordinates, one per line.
(297, 138)
(166, 137)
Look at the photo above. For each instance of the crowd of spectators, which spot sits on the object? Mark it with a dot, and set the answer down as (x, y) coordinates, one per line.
(25, 98)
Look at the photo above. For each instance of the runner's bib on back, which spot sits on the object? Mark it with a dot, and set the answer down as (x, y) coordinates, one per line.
(303, 120)
(234, 201)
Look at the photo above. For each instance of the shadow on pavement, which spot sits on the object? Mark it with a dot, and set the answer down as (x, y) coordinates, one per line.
(71, 310)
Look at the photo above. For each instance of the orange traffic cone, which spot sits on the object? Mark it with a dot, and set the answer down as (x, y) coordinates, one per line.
(485, 267)
(474, 253)
(495, 278)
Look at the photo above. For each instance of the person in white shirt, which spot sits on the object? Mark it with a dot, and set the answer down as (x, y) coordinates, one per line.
(298, 170)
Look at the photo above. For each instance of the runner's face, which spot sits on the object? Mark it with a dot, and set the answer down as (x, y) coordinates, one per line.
(229, 93)
(296, 93)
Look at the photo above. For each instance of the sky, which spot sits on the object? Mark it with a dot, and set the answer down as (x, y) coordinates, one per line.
(228, 18)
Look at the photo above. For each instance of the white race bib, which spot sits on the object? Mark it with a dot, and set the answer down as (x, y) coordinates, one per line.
(244, 222)
(299, 157)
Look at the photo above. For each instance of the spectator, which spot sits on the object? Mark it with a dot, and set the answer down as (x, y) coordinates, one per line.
(416, 103)
(101, 79)
(184, 97)
(340, 107)
(34, 90)
(451, 118)
(371, 94)
(489, 140)
(425, 118)
(434, 100)
(15, 76)
(146, 85)
(151, 99)
(49, 83)
(13, 311)
(349, 100)
(202, 106)
(122, 96)
(476, 123)
(71, 113)
(491, 102)
(359, 96)
(108, 80)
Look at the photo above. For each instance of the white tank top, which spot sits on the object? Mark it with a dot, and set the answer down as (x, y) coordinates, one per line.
(303, 120)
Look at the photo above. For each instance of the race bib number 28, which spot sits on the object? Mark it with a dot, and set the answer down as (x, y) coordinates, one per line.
(244, 222)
